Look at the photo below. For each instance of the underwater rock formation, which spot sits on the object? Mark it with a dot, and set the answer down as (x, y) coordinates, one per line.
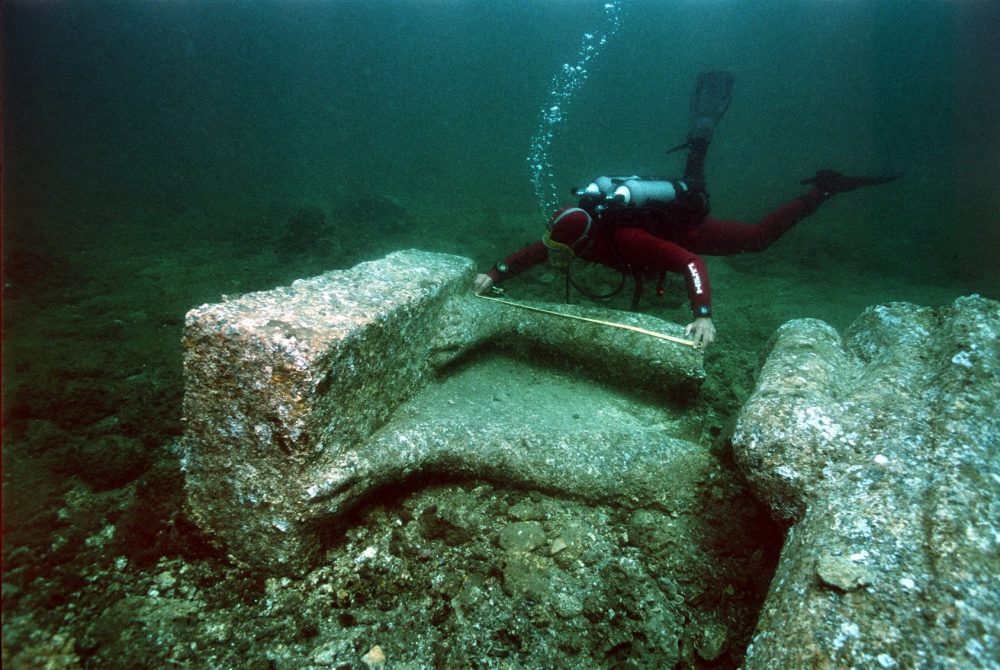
(293, 403)
(881, 449)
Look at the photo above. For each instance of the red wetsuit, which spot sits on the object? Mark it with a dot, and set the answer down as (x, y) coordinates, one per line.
(673, 248)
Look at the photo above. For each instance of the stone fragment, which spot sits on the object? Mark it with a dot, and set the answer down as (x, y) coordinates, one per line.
(522, 536)
(332, 651)
(45, 650)
(567, 605)
(374, 659)
(301, 400)
(881, 449)
(527, 576)
(526, 510)
(470, 595)
(654, 531)
(712, 641)
(842, 573)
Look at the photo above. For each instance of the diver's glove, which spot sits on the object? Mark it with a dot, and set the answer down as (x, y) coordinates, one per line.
(831, 181)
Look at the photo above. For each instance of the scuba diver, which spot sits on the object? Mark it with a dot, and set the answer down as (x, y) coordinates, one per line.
(648, 226)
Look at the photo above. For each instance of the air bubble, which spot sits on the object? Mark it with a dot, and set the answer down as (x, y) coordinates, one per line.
(566, 82)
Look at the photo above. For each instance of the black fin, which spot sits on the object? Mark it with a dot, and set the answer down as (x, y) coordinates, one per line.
(710, 100)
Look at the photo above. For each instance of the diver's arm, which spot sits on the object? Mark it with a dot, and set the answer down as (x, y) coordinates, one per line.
(512, 265)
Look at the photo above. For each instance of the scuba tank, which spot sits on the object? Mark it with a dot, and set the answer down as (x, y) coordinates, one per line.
(632, 192)
(638, 192)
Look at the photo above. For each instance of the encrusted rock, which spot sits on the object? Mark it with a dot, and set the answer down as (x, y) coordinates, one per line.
(712, 641)
(522, 536)
(881, 449)
(528, 576)
(567, 605)
(301, 400)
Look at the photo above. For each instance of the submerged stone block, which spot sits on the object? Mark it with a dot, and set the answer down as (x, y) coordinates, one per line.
(881, 448)
(294, 396)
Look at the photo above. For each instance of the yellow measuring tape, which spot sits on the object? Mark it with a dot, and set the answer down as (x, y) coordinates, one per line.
(612, 324)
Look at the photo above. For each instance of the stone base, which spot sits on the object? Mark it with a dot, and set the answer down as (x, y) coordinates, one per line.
(292, 400)
(882, 449)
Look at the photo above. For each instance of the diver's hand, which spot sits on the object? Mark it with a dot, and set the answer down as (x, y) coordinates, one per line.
(831, 181)
(482, 284)
(701, 331)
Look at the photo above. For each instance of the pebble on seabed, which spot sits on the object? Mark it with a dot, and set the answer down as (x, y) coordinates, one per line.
(375, 658)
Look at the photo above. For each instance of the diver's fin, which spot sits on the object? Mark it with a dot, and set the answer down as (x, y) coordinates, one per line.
(831, 181)
(710, 100)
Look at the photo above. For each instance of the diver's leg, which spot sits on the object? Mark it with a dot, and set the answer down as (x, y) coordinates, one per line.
(715, 237)
(694, 170)
(709, 101)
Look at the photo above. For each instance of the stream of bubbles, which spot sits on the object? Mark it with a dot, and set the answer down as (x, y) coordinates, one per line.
(566, 82)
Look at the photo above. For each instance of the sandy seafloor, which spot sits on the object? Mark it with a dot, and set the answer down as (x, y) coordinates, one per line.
(101, 569)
